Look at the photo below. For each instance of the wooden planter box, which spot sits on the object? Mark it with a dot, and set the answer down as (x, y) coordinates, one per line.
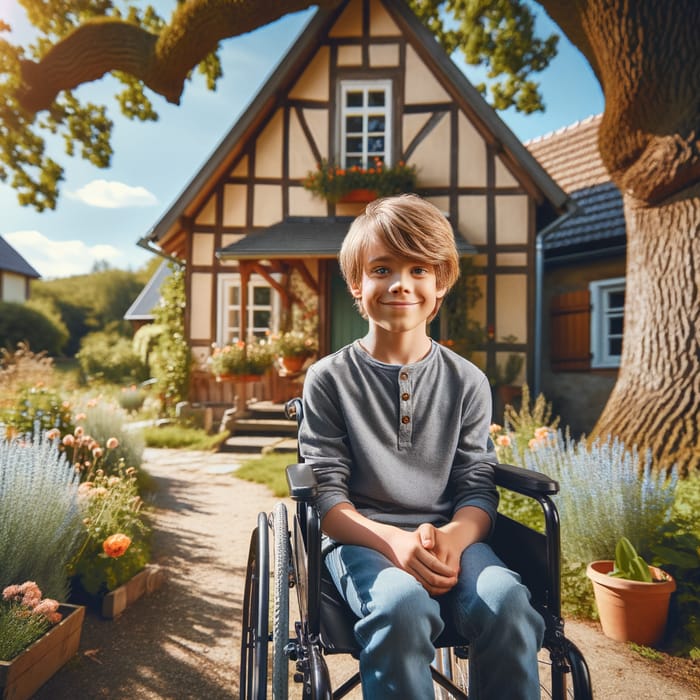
(27, 672)
(149, 579)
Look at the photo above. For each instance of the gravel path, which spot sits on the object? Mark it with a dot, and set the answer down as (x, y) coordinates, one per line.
(182, 642)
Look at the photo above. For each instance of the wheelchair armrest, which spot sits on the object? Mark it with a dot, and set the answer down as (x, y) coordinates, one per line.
(525, 481)
(301, 481)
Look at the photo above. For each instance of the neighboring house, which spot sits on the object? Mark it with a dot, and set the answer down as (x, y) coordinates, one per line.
(141, 311)
(584, 278)
(363, 80)
(15, 274)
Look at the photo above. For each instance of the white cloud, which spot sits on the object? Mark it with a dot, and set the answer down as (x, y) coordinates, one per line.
(110, 194)
(61, 258)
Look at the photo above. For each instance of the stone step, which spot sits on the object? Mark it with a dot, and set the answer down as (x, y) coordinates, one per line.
(265, 426)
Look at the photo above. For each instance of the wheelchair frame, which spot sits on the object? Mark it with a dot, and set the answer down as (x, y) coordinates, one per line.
(325, 623)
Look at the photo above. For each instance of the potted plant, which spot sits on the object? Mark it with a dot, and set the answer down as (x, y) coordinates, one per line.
(632, 597)
(240, 360)
(293, 348)
(355, 184)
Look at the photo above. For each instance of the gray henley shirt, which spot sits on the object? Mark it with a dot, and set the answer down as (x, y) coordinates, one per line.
(403, 444)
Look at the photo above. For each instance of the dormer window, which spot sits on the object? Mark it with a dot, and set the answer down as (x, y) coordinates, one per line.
(365, 122)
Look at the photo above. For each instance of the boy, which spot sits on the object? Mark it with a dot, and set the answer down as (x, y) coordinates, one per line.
(396, 429)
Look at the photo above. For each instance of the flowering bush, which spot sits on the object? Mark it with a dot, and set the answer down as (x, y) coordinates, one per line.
(115, 542)
(24, 617)
(294, 344)
(36, 407)
(331, 182)
(241, 358)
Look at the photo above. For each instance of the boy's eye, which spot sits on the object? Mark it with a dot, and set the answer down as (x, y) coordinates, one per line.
(420, 271)
(380, 270)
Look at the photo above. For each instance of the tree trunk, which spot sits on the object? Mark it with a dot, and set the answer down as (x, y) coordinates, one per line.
(646, 54)
(656, 401)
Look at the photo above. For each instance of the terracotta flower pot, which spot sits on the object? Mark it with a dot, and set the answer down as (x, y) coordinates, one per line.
(292, 363)
(631, 611)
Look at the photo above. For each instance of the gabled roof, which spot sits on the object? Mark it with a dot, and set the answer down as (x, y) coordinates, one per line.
(571, 156)
(146, 301)
(485, 119)
(12, 261)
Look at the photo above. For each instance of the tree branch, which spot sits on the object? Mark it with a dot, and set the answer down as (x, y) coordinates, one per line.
(162, 61)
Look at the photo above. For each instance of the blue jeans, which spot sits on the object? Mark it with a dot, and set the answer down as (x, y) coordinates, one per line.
(399, 621)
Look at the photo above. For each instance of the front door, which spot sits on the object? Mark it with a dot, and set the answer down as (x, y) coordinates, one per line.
(346, 322)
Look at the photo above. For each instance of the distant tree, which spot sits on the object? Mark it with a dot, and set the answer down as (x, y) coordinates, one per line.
(20, 323)
(645, 55)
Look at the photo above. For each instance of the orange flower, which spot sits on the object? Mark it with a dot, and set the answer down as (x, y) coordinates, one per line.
(116, 545)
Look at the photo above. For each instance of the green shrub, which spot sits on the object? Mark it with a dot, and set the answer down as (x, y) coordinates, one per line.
(21, 324)
(110, 357)
(40, 518)
(677, 551)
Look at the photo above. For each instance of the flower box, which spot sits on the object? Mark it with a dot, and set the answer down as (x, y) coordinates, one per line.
(361, 196)
(21, 677)
(111, 604)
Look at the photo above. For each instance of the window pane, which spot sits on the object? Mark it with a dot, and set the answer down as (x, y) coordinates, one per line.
(354, 161)
(261, 296)
(375, 144)
(615, 346)
(353, 144)
(233, 296)
(261, 318)
(616, 300)
(376, 98)
(353, 125)
(353, 99)
(376, 122)
(615, 325)
(234, 319)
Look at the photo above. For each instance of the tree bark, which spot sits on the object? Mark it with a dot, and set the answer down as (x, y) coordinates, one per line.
(655, 403)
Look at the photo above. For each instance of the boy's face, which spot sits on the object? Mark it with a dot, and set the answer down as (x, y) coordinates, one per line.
(398, 294)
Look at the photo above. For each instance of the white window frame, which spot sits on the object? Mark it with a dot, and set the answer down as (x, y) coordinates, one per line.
(601, 312)
(225, 333)
(366, 86)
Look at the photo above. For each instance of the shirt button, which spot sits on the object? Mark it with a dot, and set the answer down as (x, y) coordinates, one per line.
(405, 396)
(403, 375)
(405, 419)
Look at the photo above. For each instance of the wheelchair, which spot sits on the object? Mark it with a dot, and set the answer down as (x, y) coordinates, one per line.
(325, 623)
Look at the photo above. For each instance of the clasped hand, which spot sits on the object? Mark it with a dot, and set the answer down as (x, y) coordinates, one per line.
(428, 554)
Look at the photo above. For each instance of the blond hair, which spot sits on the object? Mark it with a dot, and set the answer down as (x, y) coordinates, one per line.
(410, 227)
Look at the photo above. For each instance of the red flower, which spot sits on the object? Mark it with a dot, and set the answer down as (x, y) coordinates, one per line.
(116, 545)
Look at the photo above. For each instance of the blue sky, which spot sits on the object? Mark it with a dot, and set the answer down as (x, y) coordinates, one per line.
(101, 214)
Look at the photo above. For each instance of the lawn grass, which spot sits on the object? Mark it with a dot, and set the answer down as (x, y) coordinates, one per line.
(182, 437)
(268, 470)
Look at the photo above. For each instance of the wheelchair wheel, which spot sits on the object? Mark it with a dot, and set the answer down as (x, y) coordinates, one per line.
(555, 685)
(280, 619)
(575, 684)
(256, 609)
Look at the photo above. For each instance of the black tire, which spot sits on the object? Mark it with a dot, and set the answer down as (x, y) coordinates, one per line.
(280, 624)
(256, 610)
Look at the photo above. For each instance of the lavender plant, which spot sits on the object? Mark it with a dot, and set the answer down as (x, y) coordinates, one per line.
(40, 519)
(606, 491)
